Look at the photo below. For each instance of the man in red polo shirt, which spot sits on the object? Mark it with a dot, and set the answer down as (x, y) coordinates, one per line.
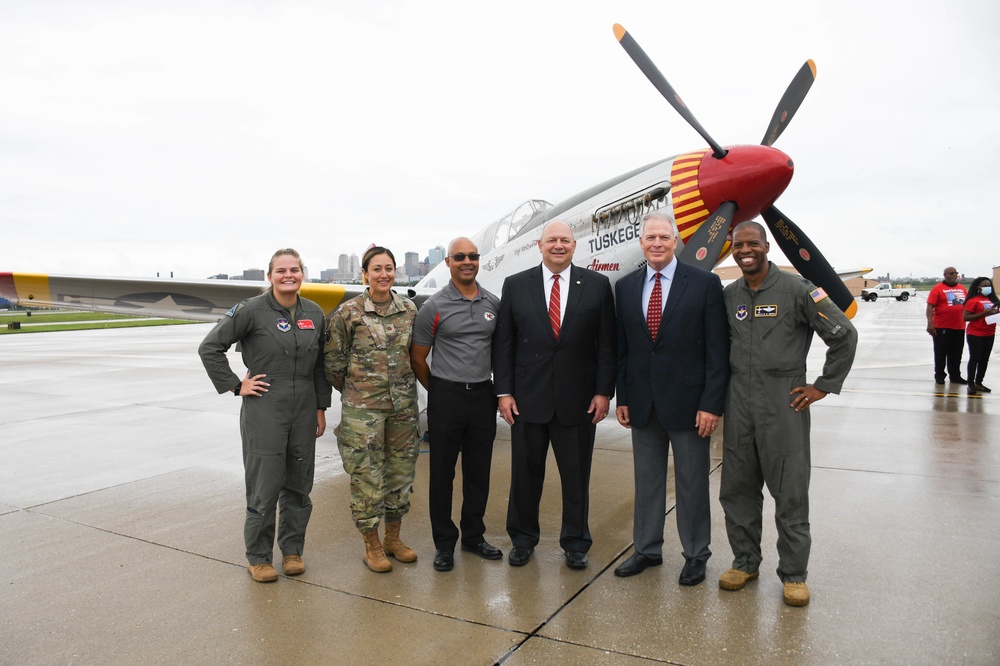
(945, 305)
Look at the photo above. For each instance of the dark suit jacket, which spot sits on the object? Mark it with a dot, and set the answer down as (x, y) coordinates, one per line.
(686, 368)
(548, 377)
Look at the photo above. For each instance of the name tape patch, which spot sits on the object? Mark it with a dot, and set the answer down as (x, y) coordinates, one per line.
(765, 310)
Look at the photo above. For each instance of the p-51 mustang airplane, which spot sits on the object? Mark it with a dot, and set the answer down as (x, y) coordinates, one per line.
(707, 192)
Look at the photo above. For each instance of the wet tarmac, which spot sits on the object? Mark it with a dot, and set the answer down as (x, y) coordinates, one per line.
(121, 508)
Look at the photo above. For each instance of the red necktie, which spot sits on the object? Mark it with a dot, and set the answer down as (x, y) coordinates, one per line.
(654, 315)
(554, 306)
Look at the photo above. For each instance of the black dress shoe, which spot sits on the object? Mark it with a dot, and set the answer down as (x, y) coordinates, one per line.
(983, 389)
(693, 572)
(972, 390)
(637, 564)
(576, 560)
(444, 560)
(518, 557)
(959, 381)
(484, 550)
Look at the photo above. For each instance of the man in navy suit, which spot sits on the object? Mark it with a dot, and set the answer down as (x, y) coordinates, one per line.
(673, 365)
(554, 370)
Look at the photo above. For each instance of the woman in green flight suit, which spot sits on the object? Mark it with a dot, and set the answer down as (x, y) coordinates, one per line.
(284, 396)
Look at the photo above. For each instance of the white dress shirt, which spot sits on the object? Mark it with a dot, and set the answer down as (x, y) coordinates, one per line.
(666, 278)
(563, 289)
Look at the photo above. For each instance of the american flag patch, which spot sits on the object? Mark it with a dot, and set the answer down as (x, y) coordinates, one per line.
(818, 295)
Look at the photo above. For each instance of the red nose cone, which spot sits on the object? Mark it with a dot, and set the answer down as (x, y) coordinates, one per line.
(752, 176)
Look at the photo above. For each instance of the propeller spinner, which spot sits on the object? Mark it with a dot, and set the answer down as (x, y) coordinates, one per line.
(743, 182)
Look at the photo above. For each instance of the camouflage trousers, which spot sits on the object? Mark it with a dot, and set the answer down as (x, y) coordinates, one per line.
(379, 451)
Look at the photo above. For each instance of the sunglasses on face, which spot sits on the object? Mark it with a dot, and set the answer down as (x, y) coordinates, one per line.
(474, 256)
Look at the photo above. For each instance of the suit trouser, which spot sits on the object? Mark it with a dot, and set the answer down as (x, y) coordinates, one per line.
(460, 420)
(650, 446)
(948, 345)
(573, 446)
(980, 347)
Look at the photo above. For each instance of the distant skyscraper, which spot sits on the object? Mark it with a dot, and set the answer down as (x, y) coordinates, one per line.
(412, 265)
(435, 256)
(343, 264)
(355, 268)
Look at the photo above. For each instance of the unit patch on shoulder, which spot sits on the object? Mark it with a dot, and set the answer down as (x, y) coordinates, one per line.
(741, 312)
(232, 310)
(765, 311)
(818, 294)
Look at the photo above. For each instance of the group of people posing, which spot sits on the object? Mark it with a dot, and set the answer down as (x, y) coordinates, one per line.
(550, 354)
(955, 315)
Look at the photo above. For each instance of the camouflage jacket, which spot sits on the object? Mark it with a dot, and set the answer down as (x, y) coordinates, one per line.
(367, 356)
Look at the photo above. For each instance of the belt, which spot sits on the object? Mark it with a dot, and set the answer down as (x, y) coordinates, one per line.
(465, 386)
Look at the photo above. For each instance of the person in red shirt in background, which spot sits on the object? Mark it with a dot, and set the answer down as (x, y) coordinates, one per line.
(945, 323)
(981, 303)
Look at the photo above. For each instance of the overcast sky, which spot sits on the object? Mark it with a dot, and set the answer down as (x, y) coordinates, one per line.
(199, 136)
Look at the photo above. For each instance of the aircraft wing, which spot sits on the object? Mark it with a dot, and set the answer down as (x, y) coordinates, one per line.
(197, 300)
(849, 273)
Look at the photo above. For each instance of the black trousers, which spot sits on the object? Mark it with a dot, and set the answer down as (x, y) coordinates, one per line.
(948, 344)
(980, 347)
(573, 447)
(460, 420)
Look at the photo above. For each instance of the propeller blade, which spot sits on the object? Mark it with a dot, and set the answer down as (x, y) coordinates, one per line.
(790, 102)
(640, 58)
(704, 246)
(808, 260)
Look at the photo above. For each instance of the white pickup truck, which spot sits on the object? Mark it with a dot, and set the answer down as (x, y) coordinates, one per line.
(886, 290)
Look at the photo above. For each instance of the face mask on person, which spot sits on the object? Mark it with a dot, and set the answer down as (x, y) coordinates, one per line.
(987, 291)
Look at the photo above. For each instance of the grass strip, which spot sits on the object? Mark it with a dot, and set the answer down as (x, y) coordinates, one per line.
(47, 316)
(127, 322)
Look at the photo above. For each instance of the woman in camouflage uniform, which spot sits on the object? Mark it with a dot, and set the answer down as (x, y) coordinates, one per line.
(368, 361)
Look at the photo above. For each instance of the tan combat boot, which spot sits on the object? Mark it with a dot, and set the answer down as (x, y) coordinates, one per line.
(374, 557)
(262, 573)
(395, 547)
(735, 579)
(796, 594)
(293, 565)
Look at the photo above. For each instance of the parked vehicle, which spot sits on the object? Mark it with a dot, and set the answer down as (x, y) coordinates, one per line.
(886, 290)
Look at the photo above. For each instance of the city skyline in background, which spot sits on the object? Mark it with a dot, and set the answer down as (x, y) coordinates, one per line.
(348, 269)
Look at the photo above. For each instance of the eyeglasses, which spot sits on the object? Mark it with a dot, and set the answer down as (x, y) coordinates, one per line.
(460, 256)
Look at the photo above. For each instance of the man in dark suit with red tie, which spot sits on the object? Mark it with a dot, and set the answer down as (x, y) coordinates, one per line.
(673, 365)
(554, 370)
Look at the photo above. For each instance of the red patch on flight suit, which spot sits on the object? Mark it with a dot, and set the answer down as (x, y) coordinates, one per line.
(307, 325)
